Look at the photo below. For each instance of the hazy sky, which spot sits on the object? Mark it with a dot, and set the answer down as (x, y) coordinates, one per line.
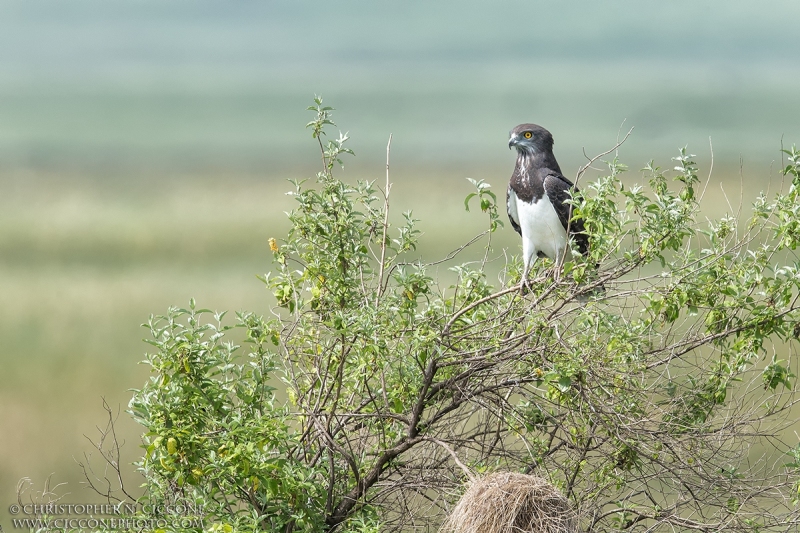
(230, 80)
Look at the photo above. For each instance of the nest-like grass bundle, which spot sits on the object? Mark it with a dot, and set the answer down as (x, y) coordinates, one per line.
(508, 502)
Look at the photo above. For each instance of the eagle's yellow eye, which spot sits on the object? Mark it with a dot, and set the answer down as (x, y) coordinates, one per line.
(528, 135)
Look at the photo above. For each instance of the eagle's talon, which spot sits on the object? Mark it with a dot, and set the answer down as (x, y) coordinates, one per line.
(524, 287)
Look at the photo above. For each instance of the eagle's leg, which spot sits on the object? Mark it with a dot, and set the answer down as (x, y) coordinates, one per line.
(524, 280)
(558, 263)
(529, 255)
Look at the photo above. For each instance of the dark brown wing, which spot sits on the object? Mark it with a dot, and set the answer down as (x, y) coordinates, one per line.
(511, 209)
(559, 190)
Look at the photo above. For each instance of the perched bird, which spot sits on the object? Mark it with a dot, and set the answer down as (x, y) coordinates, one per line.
(536, 199)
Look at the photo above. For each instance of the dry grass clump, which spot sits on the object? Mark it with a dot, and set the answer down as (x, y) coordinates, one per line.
(508, 502)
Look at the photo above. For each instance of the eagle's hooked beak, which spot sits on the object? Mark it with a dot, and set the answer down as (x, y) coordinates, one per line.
(512, 142)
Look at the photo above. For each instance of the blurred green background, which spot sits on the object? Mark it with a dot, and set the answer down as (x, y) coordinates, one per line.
(144, 148)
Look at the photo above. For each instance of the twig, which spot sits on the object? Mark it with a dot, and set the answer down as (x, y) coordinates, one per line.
(449, 450)
(112, 459)
(475, 304)
(457, 251)
(581, 171)
(710, 169)
(385, 223)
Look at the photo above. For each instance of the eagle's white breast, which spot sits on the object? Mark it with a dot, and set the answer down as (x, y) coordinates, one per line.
(541, 229)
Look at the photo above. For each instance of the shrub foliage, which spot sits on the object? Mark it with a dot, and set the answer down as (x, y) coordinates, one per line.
(372, 392)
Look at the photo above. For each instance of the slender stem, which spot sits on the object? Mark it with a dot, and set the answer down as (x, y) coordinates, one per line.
(385, 223)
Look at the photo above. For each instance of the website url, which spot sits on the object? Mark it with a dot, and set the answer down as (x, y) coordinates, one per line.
(115, 524)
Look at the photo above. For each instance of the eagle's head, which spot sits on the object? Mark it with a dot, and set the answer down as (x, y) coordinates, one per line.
(530, 139)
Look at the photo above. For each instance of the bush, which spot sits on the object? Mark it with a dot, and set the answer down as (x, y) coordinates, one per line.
(373, 392)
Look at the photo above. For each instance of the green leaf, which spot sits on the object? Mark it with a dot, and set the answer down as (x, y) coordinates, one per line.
(469, 197)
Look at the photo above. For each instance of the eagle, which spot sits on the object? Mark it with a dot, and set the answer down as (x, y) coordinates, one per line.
(537, 199)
